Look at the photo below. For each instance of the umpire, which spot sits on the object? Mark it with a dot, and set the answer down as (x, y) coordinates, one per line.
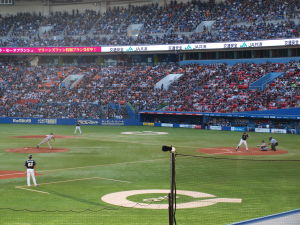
(30, 164)
(273, 143)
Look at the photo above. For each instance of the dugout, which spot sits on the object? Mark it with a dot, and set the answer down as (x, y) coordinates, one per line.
(269, 121)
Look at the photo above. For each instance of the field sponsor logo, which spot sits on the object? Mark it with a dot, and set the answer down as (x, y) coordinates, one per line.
(144, 133)
(21, 120)
(121, 199)
(47, 121)
(88, 122)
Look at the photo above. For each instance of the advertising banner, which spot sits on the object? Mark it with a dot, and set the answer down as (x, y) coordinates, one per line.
(51, 50)
(187, 126)
(215, 127)
(279, 131)
(262, 130)
(166, 124)
(53, 121)
(243, 129)
(202, 46)
(148, 124)
(151, 48)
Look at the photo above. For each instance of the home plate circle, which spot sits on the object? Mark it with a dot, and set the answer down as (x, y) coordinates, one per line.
(120, 199)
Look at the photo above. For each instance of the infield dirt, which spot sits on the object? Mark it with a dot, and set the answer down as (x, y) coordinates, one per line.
(241, 151)
(36, 150)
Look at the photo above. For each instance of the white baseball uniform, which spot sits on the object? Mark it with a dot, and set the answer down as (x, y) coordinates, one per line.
(47, 140)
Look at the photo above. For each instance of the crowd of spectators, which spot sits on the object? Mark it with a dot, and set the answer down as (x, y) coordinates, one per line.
(228, 89)
(104, 92)
(172, 23)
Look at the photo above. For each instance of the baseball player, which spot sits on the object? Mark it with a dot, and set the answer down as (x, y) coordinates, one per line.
(273, 143)
(30, 164)
(263, 146)
(77, 128)
(47, 140)
(243, 141)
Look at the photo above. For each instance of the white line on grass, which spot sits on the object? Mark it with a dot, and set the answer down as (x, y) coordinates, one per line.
(88, 178)
(65, 181)
(27, 189)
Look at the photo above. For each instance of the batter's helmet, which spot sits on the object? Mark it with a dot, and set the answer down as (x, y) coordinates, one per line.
(30, 156)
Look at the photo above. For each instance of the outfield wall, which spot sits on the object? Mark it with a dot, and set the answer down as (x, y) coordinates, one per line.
(224, 128)
(53, 121)
(270, 121)
(172, 120)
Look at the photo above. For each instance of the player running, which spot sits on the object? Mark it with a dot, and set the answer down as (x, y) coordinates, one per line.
(47, 140)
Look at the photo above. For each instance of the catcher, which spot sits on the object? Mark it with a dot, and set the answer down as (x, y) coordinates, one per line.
(263, 146)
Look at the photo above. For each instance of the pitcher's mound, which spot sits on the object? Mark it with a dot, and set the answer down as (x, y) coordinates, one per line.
(36, 150)
(241, 151)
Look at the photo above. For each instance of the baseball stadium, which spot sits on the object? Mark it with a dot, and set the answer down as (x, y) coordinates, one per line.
(149, 112)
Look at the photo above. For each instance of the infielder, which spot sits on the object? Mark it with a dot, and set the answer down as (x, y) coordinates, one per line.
(30, 164)
(47, 140)
(243, 141)
(77, 128)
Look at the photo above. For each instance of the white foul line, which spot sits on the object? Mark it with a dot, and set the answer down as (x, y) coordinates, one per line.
(65, 181)
(27, 189)
(89, 178)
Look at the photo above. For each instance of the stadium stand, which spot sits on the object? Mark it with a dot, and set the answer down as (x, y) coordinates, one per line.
(104, 92)
(172, 23)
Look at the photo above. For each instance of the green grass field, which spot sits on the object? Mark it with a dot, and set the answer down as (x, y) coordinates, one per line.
(104, 161)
